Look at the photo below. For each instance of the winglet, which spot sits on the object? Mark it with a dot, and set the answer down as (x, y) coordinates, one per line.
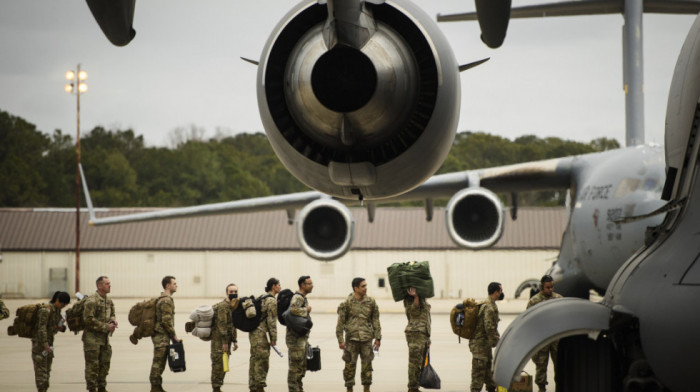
(465, 67)
(88, 201)
(254, 62)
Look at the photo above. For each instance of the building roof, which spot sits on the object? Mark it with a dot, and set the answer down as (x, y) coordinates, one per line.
(23, 229)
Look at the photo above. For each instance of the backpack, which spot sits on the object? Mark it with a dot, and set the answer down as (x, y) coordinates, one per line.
(143, 317)
(24, 325)
(284, 299)
(463, 318)
(202, 320)
(248, 314)
(74, 316)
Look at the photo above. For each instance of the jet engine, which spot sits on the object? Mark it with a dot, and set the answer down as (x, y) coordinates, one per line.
(325, 229)
(359, 99)
(475, 218)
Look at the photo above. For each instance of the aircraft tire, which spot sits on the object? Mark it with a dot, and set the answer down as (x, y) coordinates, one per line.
(586, 365)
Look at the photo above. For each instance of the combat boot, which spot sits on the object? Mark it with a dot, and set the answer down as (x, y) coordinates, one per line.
(157, 388)
(216, 389)
(365, 388)
(103, 389)
(349, 389)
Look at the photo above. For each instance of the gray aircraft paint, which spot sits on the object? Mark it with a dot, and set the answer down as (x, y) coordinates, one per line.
(648, 307)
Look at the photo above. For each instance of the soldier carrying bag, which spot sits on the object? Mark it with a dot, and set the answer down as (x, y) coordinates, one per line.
(403, 276)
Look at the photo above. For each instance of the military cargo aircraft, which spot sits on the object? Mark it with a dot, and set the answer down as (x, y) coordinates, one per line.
(603, 187)
(643, 335)
(360, 147)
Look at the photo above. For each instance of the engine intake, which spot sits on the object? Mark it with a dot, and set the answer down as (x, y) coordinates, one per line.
(325, 229)
(475, 218)
(368, 121)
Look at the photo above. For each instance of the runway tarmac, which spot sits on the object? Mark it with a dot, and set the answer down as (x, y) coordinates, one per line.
(131, 364)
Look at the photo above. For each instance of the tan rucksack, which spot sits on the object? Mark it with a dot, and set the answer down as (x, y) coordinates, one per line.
(74, 316)
(463, 318)
(24, 325)
(143, 317)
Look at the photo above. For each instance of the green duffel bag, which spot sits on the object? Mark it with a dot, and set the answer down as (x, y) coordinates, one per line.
(403, 276)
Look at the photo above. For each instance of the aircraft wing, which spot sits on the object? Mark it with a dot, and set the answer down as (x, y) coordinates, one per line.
(586, 7)
(325, 225)
(529, 176)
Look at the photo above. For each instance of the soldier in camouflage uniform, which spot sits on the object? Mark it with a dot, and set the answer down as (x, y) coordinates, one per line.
(297, 345)
(541, 358)
(358, 318)
(100, 322)
(164, 332)
(417, 335)
(259, 345)
(48, 317)
(223, 333)
(485, 338)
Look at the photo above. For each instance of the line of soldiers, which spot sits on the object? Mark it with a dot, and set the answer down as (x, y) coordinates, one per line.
(358, 331)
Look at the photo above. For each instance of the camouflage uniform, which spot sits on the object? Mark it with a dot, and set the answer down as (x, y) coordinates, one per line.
(297, 345)
(485, 338)
(418, 338)
(359, 319)
(4, 312)
(164, 332)
(223, 332)
(541, 358)
(98, 311)
(46, 327)
(260, 346)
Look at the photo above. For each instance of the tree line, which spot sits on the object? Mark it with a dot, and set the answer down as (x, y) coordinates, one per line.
(38, 170)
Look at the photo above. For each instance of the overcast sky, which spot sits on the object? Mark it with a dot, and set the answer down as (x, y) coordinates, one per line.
(552, 77)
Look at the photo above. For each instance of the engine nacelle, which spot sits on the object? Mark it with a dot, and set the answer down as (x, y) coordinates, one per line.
(325, 229)
(475, 218)
(359, 121)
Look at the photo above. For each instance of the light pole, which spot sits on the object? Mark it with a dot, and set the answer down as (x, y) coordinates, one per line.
(76, 84)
